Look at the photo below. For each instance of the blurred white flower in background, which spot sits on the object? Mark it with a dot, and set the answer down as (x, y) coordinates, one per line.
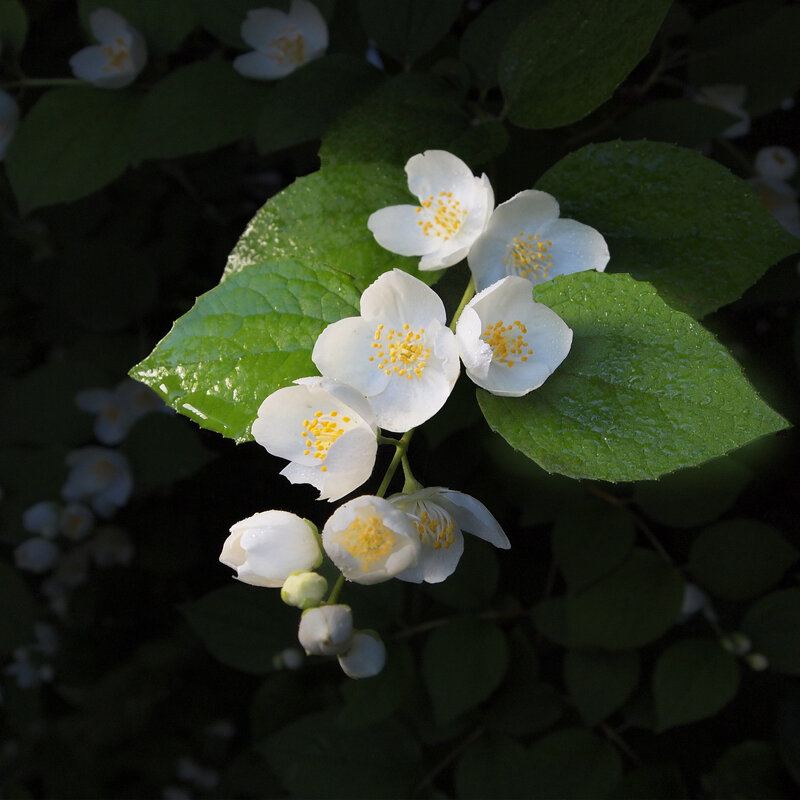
(36, 555)
(100, 476)
(775, 165)
(118, 58)
(281, 42)
(730, 98)
(110, 547)
(9, 119)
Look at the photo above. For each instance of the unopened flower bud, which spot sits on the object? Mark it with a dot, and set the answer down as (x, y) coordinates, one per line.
(366, 656)
(304, 589)
(326, 630)
(737, 643)
(756, 661)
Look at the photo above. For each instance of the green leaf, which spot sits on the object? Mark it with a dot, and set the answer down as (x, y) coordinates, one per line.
(740, 558)
(484, 39)
(631, 607)
(694, 496)
(750, 770)
(302, 106)
(73, 142)
(693, 679)
(590, 539)
(405, 115)
(13, 25)
(673, 218)
(759, 53)
(463, 662)
(407, 29)
(16, 629)
(163, 25)
(314, 757)
(494, 768)
(573, 764)
(567, 57)
(653, 781)
(772, 625)
(599, 682)
(525, 708)
(243, 626)
(301, 264)
(645, 389)
(788, 733)
(194, 109)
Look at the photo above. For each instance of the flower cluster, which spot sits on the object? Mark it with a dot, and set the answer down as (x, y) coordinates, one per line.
(392, 368)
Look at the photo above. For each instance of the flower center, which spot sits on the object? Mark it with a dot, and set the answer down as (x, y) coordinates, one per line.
(506, 344)
(402, 352)
(530, 255)
(444, 215)
(368, 540)
(435, 526)
(117, 55)
(289, 48)
(320, 432)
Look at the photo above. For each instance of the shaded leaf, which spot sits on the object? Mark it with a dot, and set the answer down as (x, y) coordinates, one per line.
(772, 625)
(599, 682)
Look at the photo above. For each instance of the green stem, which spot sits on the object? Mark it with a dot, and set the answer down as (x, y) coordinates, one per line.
(25, 83)
(337, 588)
(411, 484)
(469, 293)
(401, 445)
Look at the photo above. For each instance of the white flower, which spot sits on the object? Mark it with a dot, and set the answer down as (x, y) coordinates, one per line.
(775, 162)
(453, 210)
(326, 429)
(304, 589)
(111, 547)
(269, 546)
(42, 518)
(439, 516)
(525, 237)
(100, 476)
(118, 408)
(36, 555)
(9, 119)
(510, 344)
(780, 199)
(366, 656)
(326, 630)
(399, 353)
(727, 97)
(118, 59)
(289, 658)
(76, 521)
(281, 42)
(370, 540)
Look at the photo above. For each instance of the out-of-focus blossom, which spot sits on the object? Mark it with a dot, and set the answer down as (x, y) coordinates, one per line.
(111, 547)
(730, 98)
(775, 165)
(118, 409)
(36, 555)
(43, 518)
(200, 777)
(290, 658)
(76, 521)
(100, 476)
(281, 42)
(118, 58)
(9, 119)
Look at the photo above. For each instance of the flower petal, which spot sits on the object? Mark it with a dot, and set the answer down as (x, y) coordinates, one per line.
(399, 230)
(473, 517)
(261, 66)
(107, 24)
(437, 171)
(576, 247)
(397, 298)
(262, 25)
(307, 17)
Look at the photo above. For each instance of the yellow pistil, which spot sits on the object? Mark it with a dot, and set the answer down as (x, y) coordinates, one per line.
(437, 528)
(117, 55)
(507, 345)
(289, 48)
(320, 432)
(444, 215)
(402, 352)
(530, 255)
(368, 540)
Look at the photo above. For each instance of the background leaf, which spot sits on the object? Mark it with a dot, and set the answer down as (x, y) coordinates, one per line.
(772, 625)
(72, 142)
(16, 629)
(546, 63)
(693, 679)
(671, 217)
(599, 682)
(740, 558)
(13, 24)
(493, 768)
(645, 390)
(463, 662)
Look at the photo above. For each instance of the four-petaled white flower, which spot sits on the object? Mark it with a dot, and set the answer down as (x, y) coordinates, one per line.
(510, 344)
(440, 515)
(370, 540)
(266, 548)
(326, 429)
(281, 42)
(727, 97)
(9, 119)
(453, 209)
(399, 353)
(118, 59)
(526, 237)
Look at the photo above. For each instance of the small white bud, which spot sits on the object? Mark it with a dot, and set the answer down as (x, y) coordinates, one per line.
(737, 643)
(366, 656)
(36, 555)
(756, 661)
(304, 589)
(326, 630)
